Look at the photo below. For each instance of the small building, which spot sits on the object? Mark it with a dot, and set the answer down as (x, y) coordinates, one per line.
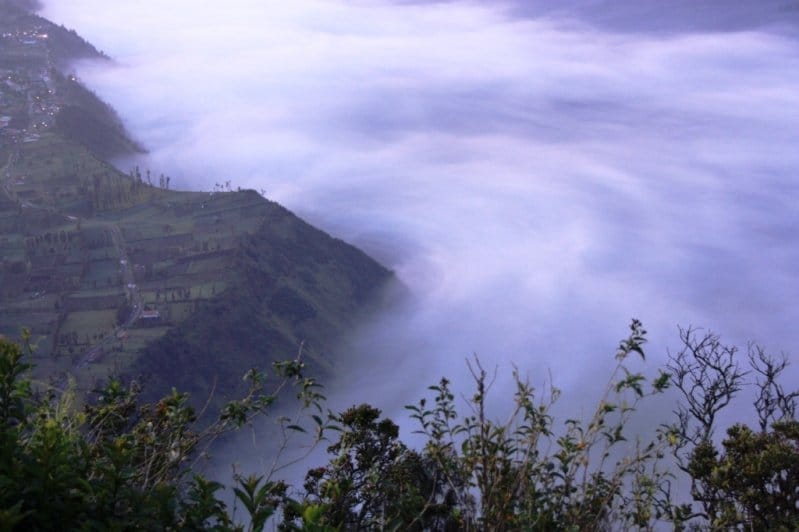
(150, 315)
(149, 318)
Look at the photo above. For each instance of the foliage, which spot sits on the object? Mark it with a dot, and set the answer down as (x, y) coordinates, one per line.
(373, 482)
(752, 480)
(526, 474)
(755, 481)
(118, 463)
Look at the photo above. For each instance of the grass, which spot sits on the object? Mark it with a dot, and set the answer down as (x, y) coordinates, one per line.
(100, 292)
(89, 322)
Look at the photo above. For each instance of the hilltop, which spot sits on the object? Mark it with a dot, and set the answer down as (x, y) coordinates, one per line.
(116, 273)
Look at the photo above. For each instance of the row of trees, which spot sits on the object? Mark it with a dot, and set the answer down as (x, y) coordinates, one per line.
(163, 181)
(120, 464)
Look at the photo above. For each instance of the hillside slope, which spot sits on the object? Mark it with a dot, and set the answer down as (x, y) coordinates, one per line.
(118, 274)
(40, 92)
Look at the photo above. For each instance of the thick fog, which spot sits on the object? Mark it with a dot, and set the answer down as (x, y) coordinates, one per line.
(536, 176)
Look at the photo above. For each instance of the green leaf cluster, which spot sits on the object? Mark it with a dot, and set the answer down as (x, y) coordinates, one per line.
(119, 463)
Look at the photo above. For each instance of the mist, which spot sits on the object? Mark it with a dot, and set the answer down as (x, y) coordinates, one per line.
(535, 176)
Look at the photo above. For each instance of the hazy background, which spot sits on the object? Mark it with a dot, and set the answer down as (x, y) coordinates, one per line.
(535, 174)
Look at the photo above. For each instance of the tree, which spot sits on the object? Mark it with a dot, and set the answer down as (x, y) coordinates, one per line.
(373, 482)
(523, 474)
(752, 481)
(120, 464)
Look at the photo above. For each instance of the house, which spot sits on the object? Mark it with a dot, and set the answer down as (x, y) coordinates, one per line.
(150, 315)
(149, 318)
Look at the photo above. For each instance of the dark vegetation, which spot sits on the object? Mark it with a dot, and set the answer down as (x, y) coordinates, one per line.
(89, 121)
(288, 285)
(21, 5)
(120, 463)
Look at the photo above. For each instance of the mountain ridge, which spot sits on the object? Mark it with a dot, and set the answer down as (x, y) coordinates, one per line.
(117, 274)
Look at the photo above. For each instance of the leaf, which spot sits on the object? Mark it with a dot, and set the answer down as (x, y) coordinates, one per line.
(662, 382)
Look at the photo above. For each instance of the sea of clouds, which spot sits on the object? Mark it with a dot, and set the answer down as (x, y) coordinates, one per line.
(535, 175)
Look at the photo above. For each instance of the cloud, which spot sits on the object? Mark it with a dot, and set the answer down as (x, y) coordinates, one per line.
(535, 182)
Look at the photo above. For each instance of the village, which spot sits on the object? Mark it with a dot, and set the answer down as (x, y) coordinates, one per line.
(29, 96)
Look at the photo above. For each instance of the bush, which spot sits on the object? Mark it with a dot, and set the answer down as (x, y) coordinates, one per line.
(118, 463)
